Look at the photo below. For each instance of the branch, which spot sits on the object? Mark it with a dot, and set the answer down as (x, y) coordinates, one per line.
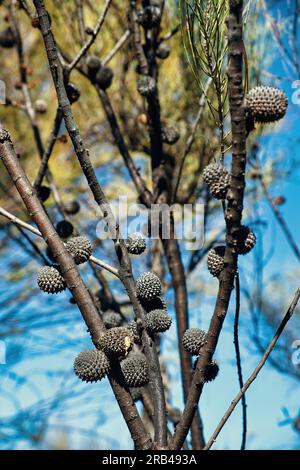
(125, 270)
(233, 215)
(256, 371)
(141, 188)
(72, 277)
(92, 39)
(43, 170)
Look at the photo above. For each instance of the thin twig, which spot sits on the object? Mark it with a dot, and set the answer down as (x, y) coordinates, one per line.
(92, 39)
(238, 356)
(43, 170)
(35, 231)
(123, 39)
(281, 221)
(191, 138)
(256, 371)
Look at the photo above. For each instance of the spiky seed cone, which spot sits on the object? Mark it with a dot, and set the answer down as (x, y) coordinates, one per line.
(136, 244)
(158, 303)
(215, 260)
(148, 286)
(219, 189)
(135, 370)
(163, 51)
(104, 77)
(146, 86)
(80, 248)
(193, 340)
(133, 327)
(72, 207)
(157, 321)
(246, 240)
(91, 366)
(7, 38)
(211, 371)
(212, 173)
(169, 135)
(217, 178)
(64, 228)
(266, 104)
(50, 280)
(117, 341)
(72, 92)
(111, 319)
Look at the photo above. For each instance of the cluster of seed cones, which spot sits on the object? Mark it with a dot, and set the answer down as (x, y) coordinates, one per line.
(50, 279)
(194, 339)
(246, 241)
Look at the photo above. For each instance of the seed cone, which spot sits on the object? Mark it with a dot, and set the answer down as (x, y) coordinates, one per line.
(193, 340)
(212, 173)
(158, 303)
(133, 327)
(80, 248)
(157, 321)
(266, 104)
(163, 51)
(117, 341)
(149, 17)
(104, 77)
(7, 38)
(43, 192)
(135, 370)
(72, 207)
(146, 86)
(93, 64)
(73, 93)
(64, 228)
(211, 372)
(246, 240)
(215, 260)
(136, 244)
(91, 366)
(217, 178)
(148, 286)
(169, 135)
(111, 319)
(50, 280)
